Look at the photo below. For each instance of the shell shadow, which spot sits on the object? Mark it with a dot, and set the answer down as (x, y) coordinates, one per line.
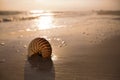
(38, 68)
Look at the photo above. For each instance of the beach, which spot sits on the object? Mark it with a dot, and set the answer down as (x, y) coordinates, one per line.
(84, 48)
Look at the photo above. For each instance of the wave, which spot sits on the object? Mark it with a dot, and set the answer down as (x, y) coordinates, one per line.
(10, 19)
(9, 16)
(103, 12)
(11, 12)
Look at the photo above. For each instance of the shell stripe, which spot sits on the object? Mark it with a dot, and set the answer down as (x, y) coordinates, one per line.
(41, 46)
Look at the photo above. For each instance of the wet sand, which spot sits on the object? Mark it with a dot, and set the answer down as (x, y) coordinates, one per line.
(77, 55)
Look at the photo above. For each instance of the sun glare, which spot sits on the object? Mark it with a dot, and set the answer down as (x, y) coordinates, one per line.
(45, 21)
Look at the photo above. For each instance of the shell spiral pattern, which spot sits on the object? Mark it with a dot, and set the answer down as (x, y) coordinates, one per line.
(40, 46)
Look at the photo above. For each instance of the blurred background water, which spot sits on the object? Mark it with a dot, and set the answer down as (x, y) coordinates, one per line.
(40, 20)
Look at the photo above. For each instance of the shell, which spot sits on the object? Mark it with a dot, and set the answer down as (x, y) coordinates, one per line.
(40, 46)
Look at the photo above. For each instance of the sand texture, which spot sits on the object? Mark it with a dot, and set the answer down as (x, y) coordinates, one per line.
(87, 53)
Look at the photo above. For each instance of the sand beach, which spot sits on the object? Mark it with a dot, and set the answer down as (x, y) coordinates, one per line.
(82, 51)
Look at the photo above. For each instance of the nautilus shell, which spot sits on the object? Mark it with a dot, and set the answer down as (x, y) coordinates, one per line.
(40, 46)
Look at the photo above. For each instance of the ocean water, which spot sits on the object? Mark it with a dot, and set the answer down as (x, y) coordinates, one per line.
(42, 20)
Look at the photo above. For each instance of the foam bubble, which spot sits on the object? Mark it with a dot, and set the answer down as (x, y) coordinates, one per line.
(25, 46)
(2, 44)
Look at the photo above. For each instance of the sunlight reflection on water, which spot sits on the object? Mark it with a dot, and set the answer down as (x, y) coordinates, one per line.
(45, 21)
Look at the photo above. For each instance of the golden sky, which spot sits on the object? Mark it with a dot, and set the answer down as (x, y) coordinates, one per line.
(59, 4)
